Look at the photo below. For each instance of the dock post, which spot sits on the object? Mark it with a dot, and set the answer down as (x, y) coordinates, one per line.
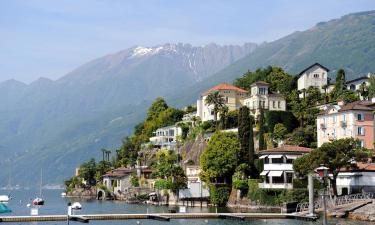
(311, 194)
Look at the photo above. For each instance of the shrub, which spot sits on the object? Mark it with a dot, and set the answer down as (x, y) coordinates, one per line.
(219, 195)
(240, 184)
(134, 181)
(286, 118)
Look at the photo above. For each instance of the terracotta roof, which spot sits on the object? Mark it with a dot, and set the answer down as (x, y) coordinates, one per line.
(315, 64)
(357, 105)
(287, 149)
(224, 86)
(361, 167)
(259, 83)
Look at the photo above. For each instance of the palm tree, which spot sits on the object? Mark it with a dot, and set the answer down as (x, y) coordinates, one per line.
(217, 100)
(325, 88)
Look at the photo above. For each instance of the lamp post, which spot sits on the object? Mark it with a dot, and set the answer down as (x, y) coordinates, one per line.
(323, 174)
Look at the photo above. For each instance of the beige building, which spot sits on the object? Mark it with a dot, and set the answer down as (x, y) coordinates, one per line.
(261, 98)
(233, 96)
(315, 75)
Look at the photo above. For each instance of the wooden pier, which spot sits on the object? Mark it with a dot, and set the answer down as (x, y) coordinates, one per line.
(156, 216)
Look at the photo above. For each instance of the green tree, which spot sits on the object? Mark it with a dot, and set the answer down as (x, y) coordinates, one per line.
(363, 91)
(336, 155)
(279, 131)
(219, 160)
(87, 171)
(245, 135)
(340, 83)
(223, 117)
(261, 123)
(217, 100)
(371, 87)
(158, 106)
(127, 154)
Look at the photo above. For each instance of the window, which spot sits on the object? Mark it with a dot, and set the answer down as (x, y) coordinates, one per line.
(277, 161)
(334, 119)
(279, 104)
(289, 177)
(273, 104)
(344, 117)
(360, 116)
(262, 91)
(361, 131)
(361, 143)
(352, 87)
(316, 75)
(278, 180)
(212, 112)
(226, 99)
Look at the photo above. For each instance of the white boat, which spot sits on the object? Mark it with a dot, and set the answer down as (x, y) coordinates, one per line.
(63, 194)
(4, 198)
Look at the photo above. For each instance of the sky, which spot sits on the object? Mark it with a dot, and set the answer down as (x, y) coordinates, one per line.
(43, 38)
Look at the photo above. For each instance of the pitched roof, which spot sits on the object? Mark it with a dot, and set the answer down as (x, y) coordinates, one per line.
(259, 83)
(357, 79)
(315, 64)
(287, 149)
(361, 167)
(224, 86)
(358, 105)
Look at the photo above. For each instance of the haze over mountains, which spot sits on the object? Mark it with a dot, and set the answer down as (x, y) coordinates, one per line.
(58, 124)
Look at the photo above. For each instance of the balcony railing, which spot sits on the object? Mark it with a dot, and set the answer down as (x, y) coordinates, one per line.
(343, 123)
(276, 186)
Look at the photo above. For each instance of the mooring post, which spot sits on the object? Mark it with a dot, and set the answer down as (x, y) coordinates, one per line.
(311, 194)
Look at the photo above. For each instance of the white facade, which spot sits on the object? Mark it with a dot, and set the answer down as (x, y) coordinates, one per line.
(260, 98)
(195, 187)
(166, 137)
(278, 166)
(354, 182)
(314, 76)
(356, 83)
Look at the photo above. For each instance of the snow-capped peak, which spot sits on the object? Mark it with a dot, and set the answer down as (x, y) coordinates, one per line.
(141, 51)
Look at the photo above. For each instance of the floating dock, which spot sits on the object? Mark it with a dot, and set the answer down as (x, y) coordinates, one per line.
(156, 216)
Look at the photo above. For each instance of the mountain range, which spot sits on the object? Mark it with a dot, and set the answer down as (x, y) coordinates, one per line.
(55, 125)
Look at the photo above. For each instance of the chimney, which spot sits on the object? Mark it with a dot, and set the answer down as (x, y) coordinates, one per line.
(340, 102)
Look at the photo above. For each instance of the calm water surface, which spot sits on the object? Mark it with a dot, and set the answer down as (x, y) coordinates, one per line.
(54, 204)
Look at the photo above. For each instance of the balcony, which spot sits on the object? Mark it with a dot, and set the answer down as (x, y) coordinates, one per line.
(343, 123)
(276, 186)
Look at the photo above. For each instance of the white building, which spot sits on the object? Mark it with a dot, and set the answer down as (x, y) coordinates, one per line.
(359, 180)
(278, 166)
(357, 82)
(195, 187)
(315, 75)
(233, 97)
(261, 98)
(166, 137)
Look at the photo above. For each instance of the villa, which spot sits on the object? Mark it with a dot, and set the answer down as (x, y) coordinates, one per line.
(278, 166)
(354, 120)
(233, 97)
(357, 180)
(315, 75)
(195, 187)
(166, 137)
(259, 98)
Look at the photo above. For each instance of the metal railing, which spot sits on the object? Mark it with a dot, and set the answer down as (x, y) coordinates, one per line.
(334, 202)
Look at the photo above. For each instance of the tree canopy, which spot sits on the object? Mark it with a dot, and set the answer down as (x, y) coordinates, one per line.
(336, 155)
(219, 160)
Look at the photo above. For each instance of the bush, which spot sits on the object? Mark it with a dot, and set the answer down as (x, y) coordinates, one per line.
(240, 184)
(219, 195)
(134, 181)
(162, 184)
(286, 118)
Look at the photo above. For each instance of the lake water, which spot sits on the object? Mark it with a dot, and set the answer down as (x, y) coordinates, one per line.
(56, 205)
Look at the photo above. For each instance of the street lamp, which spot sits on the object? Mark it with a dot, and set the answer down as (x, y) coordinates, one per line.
(322, 171)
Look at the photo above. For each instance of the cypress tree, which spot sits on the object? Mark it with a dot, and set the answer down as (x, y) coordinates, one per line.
(243, 133)
(262, 144)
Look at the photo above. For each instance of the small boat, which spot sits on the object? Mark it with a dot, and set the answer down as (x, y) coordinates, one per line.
(76, 206)
(63, 194)
(4, 208)
(38, 201)
(4, 198)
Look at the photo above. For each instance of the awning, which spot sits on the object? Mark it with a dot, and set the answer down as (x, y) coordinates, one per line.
(263, 156)
(275, 156)
(275, 173)
(291, 156)
(264, 173)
